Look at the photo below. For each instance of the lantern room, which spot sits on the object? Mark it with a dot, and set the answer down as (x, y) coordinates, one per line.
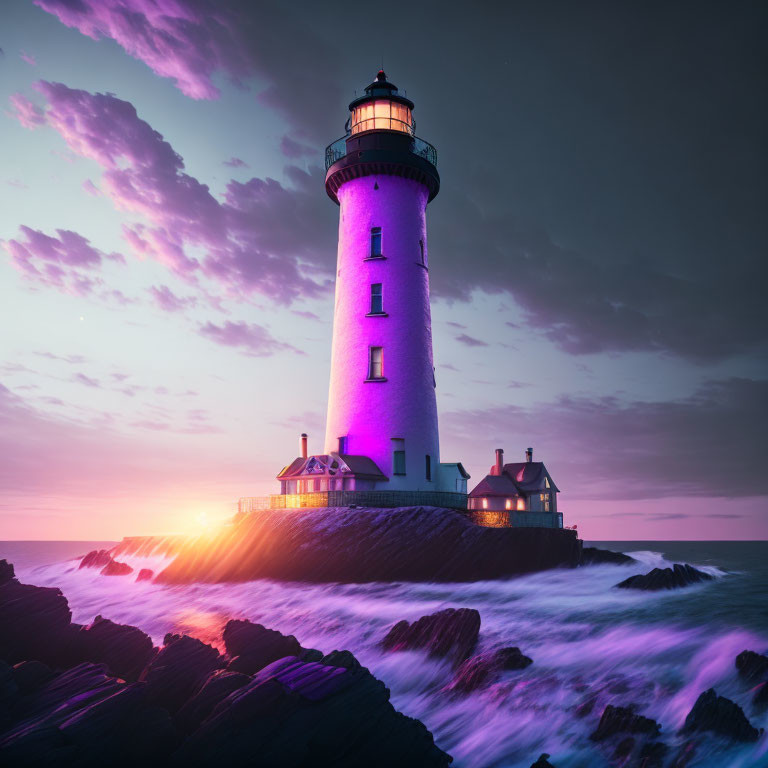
(381, 109)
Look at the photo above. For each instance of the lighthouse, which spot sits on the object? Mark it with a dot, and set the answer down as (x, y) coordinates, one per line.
(381, 428)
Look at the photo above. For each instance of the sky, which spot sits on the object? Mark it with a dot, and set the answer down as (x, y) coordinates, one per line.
(167, 250)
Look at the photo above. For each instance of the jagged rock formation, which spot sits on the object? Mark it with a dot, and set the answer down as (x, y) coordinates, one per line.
(125, 650)
(115, 568)
(543, 762)
(179, 705)
(96, 558)
(752, 666)
(485, 667)
(145, 574)
(719, 715)
(450, 633)
(596, 556)
(623, 720)
(680, 575)
(409, 544)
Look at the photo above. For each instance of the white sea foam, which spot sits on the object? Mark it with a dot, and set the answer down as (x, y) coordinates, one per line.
(655, 650)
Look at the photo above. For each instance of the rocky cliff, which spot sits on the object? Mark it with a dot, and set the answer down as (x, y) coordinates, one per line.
(359, 545)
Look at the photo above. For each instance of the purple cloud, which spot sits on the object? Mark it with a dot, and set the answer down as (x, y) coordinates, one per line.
(168, 301)
(91, 188)
(71, 359)
(254, 340)
(28, 58)
(603, 448)
(87, 380)
(263, 238)
(235, 162)
(61, 262)
(295, 149)
(470, 341)
(190, 42)
(26, 112)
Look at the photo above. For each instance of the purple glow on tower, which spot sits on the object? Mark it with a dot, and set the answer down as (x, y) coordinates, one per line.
(382, 395)
(375, 415)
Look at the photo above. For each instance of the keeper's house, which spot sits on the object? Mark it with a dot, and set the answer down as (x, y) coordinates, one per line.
(521, 494)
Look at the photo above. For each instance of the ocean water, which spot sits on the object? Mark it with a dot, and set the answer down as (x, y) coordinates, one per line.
(658, 651)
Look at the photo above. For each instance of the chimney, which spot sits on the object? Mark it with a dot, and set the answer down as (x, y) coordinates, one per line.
(529, 455)
(303, 445)
(499, 461)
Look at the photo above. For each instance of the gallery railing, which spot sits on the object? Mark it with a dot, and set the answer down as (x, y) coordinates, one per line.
(334, 152)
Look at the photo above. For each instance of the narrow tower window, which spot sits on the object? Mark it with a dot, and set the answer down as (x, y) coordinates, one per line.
(398, 462)
(429, 467)
(423, 257)
(377, 299)
(375, 362)
(376, 241)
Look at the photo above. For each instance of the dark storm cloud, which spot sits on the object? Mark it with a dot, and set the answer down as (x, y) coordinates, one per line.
(603, 163)
(703, 445)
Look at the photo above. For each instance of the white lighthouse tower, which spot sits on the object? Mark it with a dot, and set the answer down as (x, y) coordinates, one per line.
(381, 429)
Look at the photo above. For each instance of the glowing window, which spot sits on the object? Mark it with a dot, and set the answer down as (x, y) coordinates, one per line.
(521, 505)
(376, 241)
(485, 503)
(381, 114)
(377, 299)
(546, 482)
(375, 362)
(508, 505)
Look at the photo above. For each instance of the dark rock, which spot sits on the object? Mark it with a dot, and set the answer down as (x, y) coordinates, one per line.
(79, 685)
(624, 748)
(30, 675)
(215, 689)
(34, 624)
(450, 633)
(124, 649)
(680, 575)
(341, 659)
(340, 544)
(6, 572)
(145, 574)
(311, 654)
(760, 698)
(652, 754)
(623, 720)
(752, 666)
(295, 714)
(596, 556)
(143, 734)
(253, 646)
(585, 707)
(114, 568)
(485, 667)
(543, 762)
(178, 671)
(719, 715)
(96, 558)
(9, 691)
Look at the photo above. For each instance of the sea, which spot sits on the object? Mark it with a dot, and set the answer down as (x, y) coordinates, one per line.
(589, 641)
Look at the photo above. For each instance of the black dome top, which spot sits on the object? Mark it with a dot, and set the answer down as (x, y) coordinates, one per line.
(381, 88)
